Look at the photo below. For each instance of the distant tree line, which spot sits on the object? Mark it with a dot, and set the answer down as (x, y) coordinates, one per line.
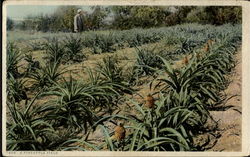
(10, 24)
(126, 17)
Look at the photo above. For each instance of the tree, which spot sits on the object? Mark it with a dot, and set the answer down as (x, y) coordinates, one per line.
(96, 19)
(66, 15)
(179, 15)
(98, 16)
(216, 15)
(149, 16)
(55, 23)
(10, 24)
(42, 23)
(126, 17)
(198, 15)
(122, 17)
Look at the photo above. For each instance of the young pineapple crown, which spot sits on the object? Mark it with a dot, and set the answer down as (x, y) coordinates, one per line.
(149, 95)
(121, 124)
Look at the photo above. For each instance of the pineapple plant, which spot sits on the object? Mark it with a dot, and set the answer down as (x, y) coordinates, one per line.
(73, 49)
(198, 56)
(14, 56)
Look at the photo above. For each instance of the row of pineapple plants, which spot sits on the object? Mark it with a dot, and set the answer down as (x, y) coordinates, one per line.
(185, 97)
(188, 38)
(75, 110)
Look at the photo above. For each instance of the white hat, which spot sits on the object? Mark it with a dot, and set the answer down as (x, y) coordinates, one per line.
(79, 10)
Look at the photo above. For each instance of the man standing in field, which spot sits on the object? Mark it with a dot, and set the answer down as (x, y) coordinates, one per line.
(78, 21)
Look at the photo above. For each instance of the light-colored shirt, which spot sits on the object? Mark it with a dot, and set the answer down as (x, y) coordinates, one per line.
(78, 23)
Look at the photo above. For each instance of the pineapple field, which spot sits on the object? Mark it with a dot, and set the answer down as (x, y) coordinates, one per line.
(156, 89)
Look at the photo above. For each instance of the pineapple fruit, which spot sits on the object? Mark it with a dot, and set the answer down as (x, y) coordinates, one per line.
(120, 132)
(185, 60)
(150, 101)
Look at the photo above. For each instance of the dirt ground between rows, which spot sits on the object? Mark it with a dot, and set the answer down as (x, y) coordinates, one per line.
(229, 117)
(227, 134)
(227, 137)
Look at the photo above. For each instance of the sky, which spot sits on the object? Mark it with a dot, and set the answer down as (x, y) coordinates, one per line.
(19, 12)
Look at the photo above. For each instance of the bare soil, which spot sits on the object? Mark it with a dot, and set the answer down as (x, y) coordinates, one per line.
(227, 136)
